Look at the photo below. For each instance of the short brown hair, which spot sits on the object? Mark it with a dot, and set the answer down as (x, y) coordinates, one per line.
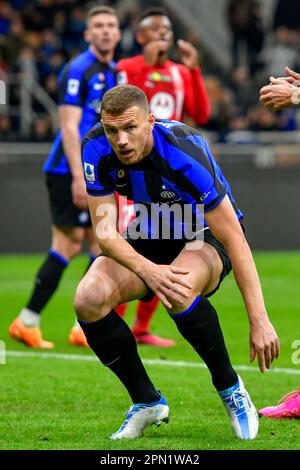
(101, 9)
(121, 97)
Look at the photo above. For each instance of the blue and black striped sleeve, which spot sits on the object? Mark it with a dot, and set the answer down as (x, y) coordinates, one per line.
(98, 181)
(197, 171)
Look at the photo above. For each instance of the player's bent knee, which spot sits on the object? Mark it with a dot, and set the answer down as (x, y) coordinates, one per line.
(89, 301)
(178, 307)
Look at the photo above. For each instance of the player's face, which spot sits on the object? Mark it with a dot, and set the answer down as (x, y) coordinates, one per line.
(129, 134)
(103, 32)
(155, 28)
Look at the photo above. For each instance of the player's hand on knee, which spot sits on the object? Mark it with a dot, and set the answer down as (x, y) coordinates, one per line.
(168, 282)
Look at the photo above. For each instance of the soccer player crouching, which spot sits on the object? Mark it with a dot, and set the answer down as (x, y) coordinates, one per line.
(165, 159)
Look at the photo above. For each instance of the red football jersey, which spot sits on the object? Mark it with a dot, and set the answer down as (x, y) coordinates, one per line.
(172, 89)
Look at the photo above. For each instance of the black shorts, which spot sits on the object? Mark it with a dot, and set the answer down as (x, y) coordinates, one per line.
(165, 251)
(63, 211)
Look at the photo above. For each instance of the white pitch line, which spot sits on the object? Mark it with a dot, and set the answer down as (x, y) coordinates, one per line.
(151, 362)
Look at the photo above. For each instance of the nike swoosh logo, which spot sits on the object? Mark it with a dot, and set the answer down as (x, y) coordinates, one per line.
(99, 86)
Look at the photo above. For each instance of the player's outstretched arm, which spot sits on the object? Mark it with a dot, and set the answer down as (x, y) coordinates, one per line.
(168, 282)
(264, 342)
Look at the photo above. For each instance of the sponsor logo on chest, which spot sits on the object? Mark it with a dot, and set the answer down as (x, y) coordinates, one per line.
(159, 77)
(162, 105)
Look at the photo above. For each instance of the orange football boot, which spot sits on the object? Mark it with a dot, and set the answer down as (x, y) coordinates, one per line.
(77, 337)
(31, 336)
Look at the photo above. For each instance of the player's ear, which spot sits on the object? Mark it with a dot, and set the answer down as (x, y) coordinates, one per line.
(139, 36)
(87, 36)
(151, 121)
(119, 35)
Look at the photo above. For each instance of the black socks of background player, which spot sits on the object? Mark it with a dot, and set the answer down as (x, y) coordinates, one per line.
(112, 341)
(200, 326)
(47, 280)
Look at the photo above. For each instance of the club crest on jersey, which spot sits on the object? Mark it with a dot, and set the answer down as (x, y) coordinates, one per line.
(89, 171)
(101, 77)
(166, 193)
(73, 86)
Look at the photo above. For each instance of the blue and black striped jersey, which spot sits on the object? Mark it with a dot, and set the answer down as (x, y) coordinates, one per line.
(179, 169)
(82, 83)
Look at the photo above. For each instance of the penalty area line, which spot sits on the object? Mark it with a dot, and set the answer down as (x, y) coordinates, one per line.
(150, 362)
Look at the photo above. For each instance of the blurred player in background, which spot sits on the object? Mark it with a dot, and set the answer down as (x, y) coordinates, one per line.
(82, 85)
(281, 93)
(174, 91)
(181, 270)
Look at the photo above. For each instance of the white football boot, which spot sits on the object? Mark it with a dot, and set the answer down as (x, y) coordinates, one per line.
(241, 411)
(140, 416)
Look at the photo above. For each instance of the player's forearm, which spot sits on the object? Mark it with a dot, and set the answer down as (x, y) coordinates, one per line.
(247, 279)
(72, 148)
(202, 108)
(121, 251)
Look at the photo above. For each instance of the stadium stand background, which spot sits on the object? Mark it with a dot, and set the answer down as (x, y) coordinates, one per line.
(258, 150)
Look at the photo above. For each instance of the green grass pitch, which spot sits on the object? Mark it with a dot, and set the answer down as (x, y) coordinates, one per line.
(66, 402)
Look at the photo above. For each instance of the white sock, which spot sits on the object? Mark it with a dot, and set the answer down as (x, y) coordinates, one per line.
(29, 318)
